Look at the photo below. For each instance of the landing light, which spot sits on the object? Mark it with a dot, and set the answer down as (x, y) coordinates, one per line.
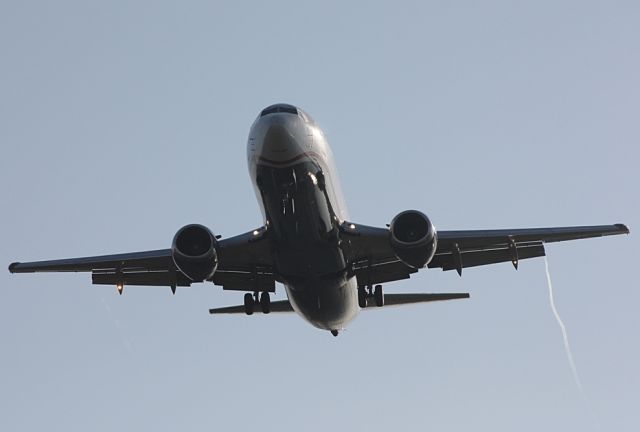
(256, 232)
(352, 226)
(120, 287)
(314, 179)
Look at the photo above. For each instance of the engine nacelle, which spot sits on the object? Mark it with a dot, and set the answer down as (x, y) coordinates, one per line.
(194, 252)
(413, 238)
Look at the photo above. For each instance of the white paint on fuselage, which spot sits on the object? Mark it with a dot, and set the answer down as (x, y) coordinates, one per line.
(305, 140)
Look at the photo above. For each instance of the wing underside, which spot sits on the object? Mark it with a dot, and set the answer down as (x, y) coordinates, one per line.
(245, 264)
(375, 261)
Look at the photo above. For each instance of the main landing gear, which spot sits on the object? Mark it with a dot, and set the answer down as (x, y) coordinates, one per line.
(250, 300)
(365, 293)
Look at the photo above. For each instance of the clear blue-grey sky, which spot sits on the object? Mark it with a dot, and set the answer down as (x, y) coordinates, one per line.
(122, 121)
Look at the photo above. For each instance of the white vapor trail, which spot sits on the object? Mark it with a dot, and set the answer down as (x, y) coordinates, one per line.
(565, 337)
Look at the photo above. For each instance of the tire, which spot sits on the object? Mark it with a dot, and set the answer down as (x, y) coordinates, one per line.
(249, 303)
(362, 297)
(265, 302)
(378, 295)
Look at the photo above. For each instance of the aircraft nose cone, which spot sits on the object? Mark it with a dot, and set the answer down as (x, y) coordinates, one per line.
(283, 138)
(278, 139)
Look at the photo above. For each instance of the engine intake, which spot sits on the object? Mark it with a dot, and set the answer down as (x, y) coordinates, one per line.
(413, 238)
(194, 252)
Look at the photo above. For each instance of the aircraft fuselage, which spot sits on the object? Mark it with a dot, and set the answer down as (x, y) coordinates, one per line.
(294, 176)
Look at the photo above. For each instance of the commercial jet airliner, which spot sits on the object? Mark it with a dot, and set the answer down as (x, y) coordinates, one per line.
(330, 266)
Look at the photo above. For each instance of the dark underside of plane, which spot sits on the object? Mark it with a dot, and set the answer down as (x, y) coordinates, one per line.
(330, 267)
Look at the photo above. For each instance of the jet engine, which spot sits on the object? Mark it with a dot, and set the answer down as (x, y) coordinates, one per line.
(194, 252)
(413, 238)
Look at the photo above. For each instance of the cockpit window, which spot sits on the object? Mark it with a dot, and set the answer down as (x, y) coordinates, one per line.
(279, 108)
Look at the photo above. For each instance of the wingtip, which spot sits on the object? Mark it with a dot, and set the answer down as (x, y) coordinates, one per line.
(623, 228)
(12, 267)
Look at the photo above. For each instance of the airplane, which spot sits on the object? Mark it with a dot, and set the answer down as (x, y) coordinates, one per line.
(330, 266)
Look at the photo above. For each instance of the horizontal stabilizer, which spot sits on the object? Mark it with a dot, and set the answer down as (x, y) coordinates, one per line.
(401, 299)
(279, 306)
(282, 306)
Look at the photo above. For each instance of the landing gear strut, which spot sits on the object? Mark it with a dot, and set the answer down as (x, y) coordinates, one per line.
(365, 293)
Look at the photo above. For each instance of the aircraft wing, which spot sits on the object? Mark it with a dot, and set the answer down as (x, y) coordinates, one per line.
(459, 249)
(244, 263)
(375, 262)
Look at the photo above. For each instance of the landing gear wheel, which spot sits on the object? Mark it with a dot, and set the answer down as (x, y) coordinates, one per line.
(334, 332)
(249, 303)
(378, 296)
(362, 297)
(265, 302)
